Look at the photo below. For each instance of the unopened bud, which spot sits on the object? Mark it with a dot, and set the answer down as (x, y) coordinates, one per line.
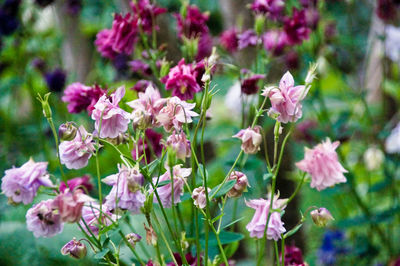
(165, 66)
(120, 139)
(259, 24)
(241, 184)
(321, 217)
(45, 105)
(133, 239)
(67, 131)
(311, 74)
(199, 197)
(75, 249)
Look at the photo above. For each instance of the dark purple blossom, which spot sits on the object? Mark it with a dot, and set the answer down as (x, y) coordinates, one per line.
(80, 97)
(204, 47)
(141, 67)
(386, 10)
(293, 256)
(152, 145)
(272, 8)
(194, 24)
(248, 38)
(292, 60)
(141, 85)
(296, 28)
(147, 13)
(249, 84)
(55, 80)
(229, 40)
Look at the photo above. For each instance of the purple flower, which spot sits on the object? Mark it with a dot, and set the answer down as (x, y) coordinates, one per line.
(275, 41)
(141, 85)
(125, 192)
(249, 84)
(180, 144)
(204, 47)
(140, 67)
(182, 81)
(248, 38)
(194, 24)
(113, 119)
(21, 184)
(77, 183)
(292, 60)
(55, 80)
(296, 27)
(293, 256)
(69, 205)
(229, 40)
(251, 139)
(80, 97)
(312, 17)
(272, 8)
(386, 10)
(43, 220)
(199, 197)
(147, 13)
(75, 249)
(75, 154)
(240, 186)
(104, 44)
(152, 145)
(91, 216)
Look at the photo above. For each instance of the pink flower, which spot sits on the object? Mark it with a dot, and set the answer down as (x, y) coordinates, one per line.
(249, 84)
(272, 8)
(257, 225)
(21, 184)
(69, 205)
(286, 100)
(251, 139)
(77, 183)
(323, 165)
(147, 13)
(240, 186)
(194, 24)
(75, 154)
(229, 40)
(180, 144)
(165, 192)
(75, 249)
(80, 97)
(43, 220)
(91, 216)
(275, 41)
(176, 113)
(248, 38)
(104, 44)
(296, 27)
(140, 67)
(199, 197)
(181, 80)
(125, 193)
(113, 119)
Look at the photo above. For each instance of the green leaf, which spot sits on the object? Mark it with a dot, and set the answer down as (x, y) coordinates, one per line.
(231, 249)
(153, 165)
(186, 196)
(225, 237)
(232, 223)
(101, 254)
(223, 190)
(200, 171)
(267, 176)
(293, 231)
(163, 183)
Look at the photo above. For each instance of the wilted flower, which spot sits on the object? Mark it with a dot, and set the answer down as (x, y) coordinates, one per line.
(91, 216)
(75, 249)
(275, 41)
(151, 236)
(77, 183)
(272, 8)
(152, 145)
(21, 184)
(248, 38)
(199, 197)
(323, 165)
(165, 192)
(373, 158)
(296, 27)
(67, 131)
(293, 256)
(126, 191)
(249, 84)
(75, 154)
(240, 186)
(286, 100)
(43, 220)
(321, 217)
(392, 143)
(180, 144)
(69, 205)
(133, 238)
(55, 80)
(229, 40)
(147, 13)
(80, 97)
(251, 139)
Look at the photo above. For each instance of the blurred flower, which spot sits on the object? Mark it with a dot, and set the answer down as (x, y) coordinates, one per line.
(104, 44)
(140, 67)
(392, 143)
(69, 205)
(75, 249)
(312, 17)
(386, 10)
(373, 158)
(248, 38)
(304, 130)
(9, 17)
(82, 183)
(392, 43)
(91, 216)
(199, 197)
(133, 238)
(296, 28)
(80, 97)
(240, 186)
(285, 100)
(141, 85)
(272, 8)
(321, 217)
(21, 184)
(229, 40)
(194, 24)
(113, 119)
(292, 60)
(275, 41)
(165, 192)
(55, 80)
(204, 47)
(332, 246)
(180, 144)
(330, 30)
(192, 260)
(147, 14)
(43, 220)
(126, 191)
(67, 131)
(249, 84)
(121, 63)
(75, 154)
(43, 3)
(308, 3)
(152, 145)
(293, 256)
(323, 165)
(73, 6)
(39, 64)
(182, 81)
(251, 139)
(256, 227)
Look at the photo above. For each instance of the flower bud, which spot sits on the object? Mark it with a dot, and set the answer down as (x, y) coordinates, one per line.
(67, 131)
(165, 66)
(45, 105)
(180, 144)
(321, 217)
(259, 24)
(75, 249)
(120, 139)
(373, 158)
(311, 73)
(133, 239)
(241, 184)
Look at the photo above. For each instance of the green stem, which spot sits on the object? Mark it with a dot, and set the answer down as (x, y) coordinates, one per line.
(53, 129)
(131, 248)
(163, 237)
(276, 252)
(283, 249)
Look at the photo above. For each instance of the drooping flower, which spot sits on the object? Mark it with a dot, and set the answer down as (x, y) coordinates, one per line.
(248, 38)
(152, 145)
(91, 216)
(43, 220)
(75, 154)
(133, 238)
(251, 139)
(286, 100)
(147, 14)
(323, 165)
(293, 256)
(69, 205)
(373, 158)
(256, 227)
(176, 113)
(180, 144)
(165, 192)
(80, 97)
(21, 184)
(113, 119)
(296, 27)
(67, 131)
(82, 183)
(74, 248)
(229, 40)
(272, 8)
(321, 217)
(55, 80)
(275, 41)
(125, 192)
(199, 197)
(240, 186)
(194, 24)
(249, 84)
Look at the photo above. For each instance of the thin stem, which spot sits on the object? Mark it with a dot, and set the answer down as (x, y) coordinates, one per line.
(53, 129)
(276, 252)
(299, 185)
(220, 246)
(283, 249)
(163, 237)
(131, 248)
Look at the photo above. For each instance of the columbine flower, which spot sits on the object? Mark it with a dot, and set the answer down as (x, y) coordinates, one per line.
(43, 220)
(21, 184)
(321, 217)
(248, 38)
(199, 197)
(323, 165)
(194, 24)
(82, 183)
(152, 145)
(147, 13)
(80, 97)
(373, 158)
(139, 66)
(69, 205)
(133, 238)
(104, 44)
(182, 81)
(240, 186)
(141, 85)
(55, 80)
(180, 144)
(75, 249)
(296, 28)
(286, 100)
(272, 8)
(67, 131)
(91, 215)
(75, 154)
(229, 40)
(293, 256)
(257, 225)
(126, 189)
(113, 119)
(275, 41)
(165, 192)
(392, 143)
(249, 84)
(176, 113)
(251, 139)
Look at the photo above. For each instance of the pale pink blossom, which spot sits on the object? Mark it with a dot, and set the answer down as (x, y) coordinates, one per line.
(69, 205)
(286, 100)
(323, 165)
(240, 186)
(91, 216)
(74, 248)
(180, 144)
(199, 197)
(251, 139)
(75, 154)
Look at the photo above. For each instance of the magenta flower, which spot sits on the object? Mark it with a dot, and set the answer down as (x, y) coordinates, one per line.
(175, 114)
(91, 216)
(125, 193)
(146, 12)
(293, 256)
(199, 197)
(240, 186)
(75, 154)
(229, 40)
(43, 220)
(386, 10)
(152, 145)
(80, 97)
(141, 85)
(272, 8)
(251, 139)
(113, 119)
(180, 144)
(296, 28)
(75, 249)
(194, 24)
(248, 38)
(204, 47)
(77, 183)
(257, 225)
(275, 41)
(249, 84)
(69, 205)
(181, 79)
(323, 165)
(104, 44)
(286, 100)
(21, 184)
(165, 192)
(140, 66)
